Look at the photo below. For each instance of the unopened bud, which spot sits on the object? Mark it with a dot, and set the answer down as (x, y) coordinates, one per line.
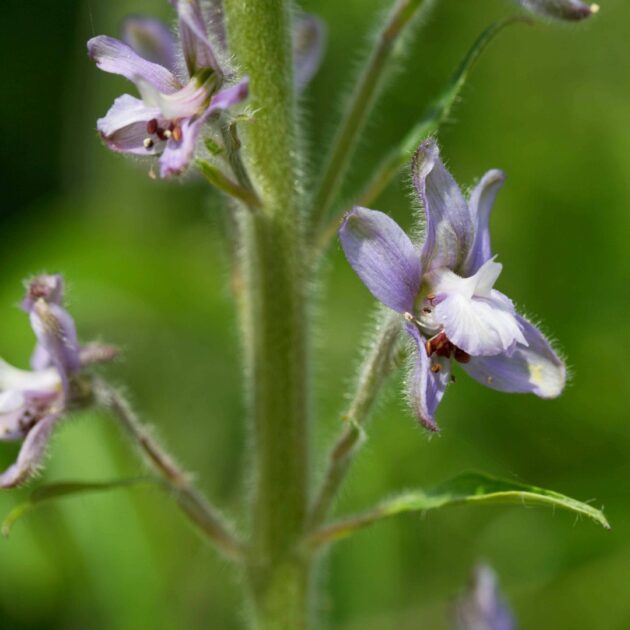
(567, 10)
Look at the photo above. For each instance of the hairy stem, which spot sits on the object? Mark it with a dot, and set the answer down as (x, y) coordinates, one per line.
(360, 104)
(177, 481)
(373, 372)
(274, 315)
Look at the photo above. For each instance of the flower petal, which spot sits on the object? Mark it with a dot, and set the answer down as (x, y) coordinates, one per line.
(449, 227)
(178, 154)
(31, 454)
(20, 410)
(535, 368)
(309, 42)
(14, 378)
(55, 330)
(196, 45)
(124, 127)
(383, 256)
(113, 56)
(425, 387)
(151, 39)
(481, 201)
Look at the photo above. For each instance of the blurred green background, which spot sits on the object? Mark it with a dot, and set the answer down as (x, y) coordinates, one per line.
(147, 267)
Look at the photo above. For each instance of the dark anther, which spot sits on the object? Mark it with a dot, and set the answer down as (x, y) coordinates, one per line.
(152, 126)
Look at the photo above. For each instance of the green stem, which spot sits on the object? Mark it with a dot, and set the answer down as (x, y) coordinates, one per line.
(176, 480)
(373, 372)
(275, 321)
(360, 104)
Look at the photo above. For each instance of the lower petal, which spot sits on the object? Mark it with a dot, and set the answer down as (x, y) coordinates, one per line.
(535, 368)
(426, 387)
(31, 454)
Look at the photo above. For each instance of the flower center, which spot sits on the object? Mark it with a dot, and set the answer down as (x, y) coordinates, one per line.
(441, 346)
(161, 133)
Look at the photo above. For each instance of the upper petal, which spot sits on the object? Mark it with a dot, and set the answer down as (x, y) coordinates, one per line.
(196, 45)
(309, 42)
(113, 56)
(383, 257)
(31, 453)
(449, 228)
(534, 368)
(151, 39)
(481, 201)
(41, 380)
(426, 387)
(178, 153)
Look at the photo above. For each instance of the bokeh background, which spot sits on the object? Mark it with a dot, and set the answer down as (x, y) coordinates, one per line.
(147, 267)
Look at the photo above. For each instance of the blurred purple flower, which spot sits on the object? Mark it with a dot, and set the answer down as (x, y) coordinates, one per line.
(445, 290)
(567, 10)
(482, 607)
(33, 402)
(169, 118)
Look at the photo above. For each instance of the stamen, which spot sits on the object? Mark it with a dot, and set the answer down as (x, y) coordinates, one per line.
(148, 143)
(177, 133)
(461, 356)
(152, 126)
(167, 133)
(435, 368)
(426, 310)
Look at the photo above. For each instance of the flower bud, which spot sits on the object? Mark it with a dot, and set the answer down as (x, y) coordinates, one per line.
(567, 10)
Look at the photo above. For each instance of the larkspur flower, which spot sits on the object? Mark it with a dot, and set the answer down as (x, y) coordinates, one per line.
(169, 118)
(175, 105)
(32, 403)
(445, 290)
(566, 10)
(481, 607)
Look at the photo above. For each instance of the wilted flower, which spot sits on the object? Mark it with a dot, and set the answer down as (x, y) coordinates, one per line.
(169, 118)
(445, 290)
(482, 607)
(33, 402)
(568, 10)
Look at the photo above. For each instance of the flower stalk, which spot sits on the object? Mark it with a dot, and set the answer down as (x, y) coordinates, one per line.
(361, 101)
(177, 481)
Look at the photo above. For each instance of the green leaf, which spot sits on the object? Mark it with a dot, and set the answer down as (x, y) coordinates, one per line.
(62, 489)
(474, 488)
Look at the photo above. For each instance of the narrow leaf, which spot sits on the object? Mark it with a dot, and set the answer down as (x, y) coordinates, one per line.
(472, 488)
(63, 489)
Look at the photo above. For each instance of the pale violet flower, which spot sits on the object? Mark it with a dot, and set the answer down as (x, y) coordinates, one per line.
(482, 607)
(445, 290)
(566, 10)
(33, 402)
(168, 119)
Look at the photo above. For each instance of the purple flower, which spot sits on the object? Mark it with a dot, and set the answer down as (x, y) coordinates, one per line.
(445, 291)
(567, 10)
(482, 607)
(33, 402)
(169, 117)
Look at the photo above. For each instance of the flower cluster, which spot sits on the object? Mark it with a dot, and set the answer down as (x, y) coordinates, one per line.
(176, 102)
(33, 402)
(445, 290)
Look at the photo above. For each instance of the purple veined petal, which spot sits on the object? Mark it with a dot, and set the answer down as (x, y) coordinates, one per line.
(178, 153)
(113, 56)
(151, 39)
(425, 387)
(55, 330)
(195, 42)
(480, 203)
(50, 287)
(449, 227)
(124, 127)
(24, 380)
(31, 454)
(40, 359)
(309, 43)
(383, 256)
(19, 410)
(482, 607)
(535, 368)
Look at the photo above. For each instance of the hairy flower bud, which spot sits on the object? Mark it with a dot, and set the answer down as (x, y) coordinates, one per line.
(567, 10)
